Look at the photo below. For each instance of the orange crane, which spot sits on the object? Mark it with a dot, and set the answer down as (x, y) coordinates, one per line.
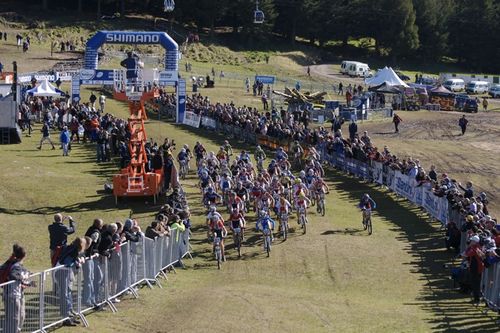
(133, 180)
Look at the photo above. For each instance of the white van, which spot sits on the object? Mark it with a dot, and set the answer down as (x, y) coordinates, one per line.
(477, 87)
(454, 84)
(358, 69)
(344, 66)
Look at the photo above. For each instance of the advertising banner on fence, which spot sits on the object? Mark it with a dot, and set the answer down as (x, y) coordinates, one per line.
(208, 122)
(403, 185)
(377, 170)
(191, 119)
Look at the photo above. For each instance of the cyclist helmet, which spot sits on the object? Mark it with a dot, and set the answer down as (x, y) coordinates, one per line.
(210, 189)
(213, 209)
(204, 173)
(186, 146)
(280, 148)
(263, 213)
(183, 150)
(366, 196)
(298, 181)
(302, 173)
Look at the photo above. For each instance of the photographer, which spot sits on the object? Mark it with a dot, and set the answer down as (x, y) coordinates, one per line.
(58, 234)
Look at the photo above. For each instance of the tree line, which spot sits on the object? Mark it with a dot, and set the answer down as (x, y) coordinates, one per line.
(467, 31)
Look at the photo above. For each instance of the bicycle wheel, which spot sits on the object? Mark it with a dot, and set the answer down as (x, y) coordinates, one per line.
(304, 224)
(238, 245)
(322, 207)
(268, 245)
(365, 224)
(218, 257)
(369, 225)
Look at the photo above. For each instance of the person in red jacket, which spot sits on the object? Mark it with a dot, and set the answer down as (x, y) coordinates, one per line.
(475, 255)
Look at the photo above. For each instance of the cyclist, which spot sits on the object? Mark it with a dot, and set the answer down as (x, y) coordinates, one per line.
(212, 212)
(205, 180)
(244, 157)
(218, 231)
(297, 150)
(366, 204)
(281, 154)
(301, 203)
(259, 156)
(237, 220)
(283, 207)
(242, 192)
(225, 184)
(222, 155)
(211, 198)
(183, 158)
(199, 151)
(265, 224)
(235, 201)
(227, 147)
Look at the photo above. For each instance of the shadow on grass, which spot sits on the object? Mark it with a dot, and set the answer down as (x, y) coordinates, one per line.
(452, 311)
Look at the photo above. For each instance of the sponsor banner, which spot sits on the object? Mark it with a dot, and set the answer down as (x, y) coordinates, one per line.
(362, 170)
(97, 77)
(208, 122)
(191, 119)
(377, 170)
(265, 79)
(403, 185)
(168, 77)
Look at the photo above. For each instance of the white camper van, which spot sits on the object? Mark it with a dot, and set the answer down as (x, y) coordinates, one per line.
(454, 84)
(344, 66)
(477, 87)
(358, 69)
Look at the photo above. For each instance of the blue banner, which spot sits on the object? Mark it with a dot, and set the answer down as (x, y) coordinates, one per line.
(266, 79)
(181, 107)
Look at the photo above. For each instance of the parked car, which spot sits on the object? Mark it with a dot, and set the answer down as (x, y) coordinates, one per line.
(465, 103)
(477, 87)
(454, 84)
(495, 91)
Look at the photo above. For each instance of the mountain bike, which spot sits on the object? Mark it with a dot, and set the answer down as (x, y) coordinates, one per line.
(284, 225)
(183, 169)
(267, 241)
(218, 251)
(321, 203)
(238, 238)
(303, 219)
(367, 220)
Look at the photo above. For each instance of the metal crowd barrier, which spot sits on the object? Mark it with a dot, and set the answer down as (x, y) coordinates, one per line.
(57, 294)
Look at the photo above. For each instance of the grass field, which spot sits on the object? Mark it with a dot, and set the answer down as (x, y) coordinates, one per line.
(334, 279)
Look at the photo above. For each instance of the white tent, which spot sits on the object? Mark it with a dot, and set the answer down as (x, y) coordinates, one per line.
(387, 76)
(44, 89)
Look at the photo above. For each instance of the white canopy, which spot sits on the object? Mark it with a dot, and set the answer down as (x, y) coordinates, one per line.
(44, 89)
(387, 76)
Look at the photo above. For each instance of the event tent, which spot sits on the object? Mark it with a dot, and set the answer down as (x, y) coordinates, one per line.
(387, 76)
(385, 88)
(45, 89)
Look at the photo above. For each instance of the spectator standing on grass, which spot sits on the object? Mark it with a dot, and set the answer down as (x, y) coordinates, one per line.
(58, 234)
(485, 104)
(45, 136)
(92, 100)
(19, 40)
(474, 255)
(396, 120)
(90, 284)
(247, 85)
(4, 36)
(13, 294)
(71, 258)
(341, 88)
(462, 122)
(65, 140)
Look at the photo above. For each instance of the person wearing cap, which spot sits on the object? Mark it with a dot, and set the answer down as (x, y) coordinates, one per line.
(64, 138)
(475, 255)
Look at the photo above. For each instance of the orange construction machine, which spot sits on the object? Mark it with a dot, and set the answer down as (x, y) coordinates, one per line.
(133, 180)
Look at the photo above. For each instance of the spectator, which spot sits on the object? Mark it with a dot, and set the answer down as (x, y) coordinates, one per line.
(432, 173)
(90, 284)
(45, 136)
(71, 258)
(462, 122)
(1, 67)
(65, 140)
(102, 102)
(475, 256)
(92, 100)
(13, 293)
(58, 234)
(485, 104)
(341, 88)
(396, 119)
(105, 248)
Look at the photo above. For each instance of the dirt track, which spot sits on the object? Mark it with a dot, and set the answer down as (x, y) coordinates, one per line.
(435, 138)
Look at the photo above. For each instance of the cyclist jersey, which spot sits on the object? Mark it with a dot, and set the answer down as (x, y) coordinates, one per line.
(263, 223)
(221, 155)
(367, 204)
(283, 206)
(210, 215)
(224, 184)
(199, 151)
(309, 179)
(241, 192)
(257, 191)
(205, 181)
(235, 219)
(236, 201)
(281, 155)
(211, 197)
(301, 202)
(182, 156)
(285, 181)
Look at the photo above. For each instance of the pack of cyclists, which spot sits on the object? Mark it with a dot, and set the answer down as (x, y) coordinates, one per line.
(237, 185)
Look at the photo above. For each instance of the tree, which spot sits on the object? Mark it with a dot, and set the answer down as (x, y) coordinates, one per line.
(432, 21)
(45, 4)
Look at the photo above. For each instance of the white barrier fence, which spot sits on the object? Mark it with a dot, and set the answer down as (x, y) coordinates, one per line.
(56, 294)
